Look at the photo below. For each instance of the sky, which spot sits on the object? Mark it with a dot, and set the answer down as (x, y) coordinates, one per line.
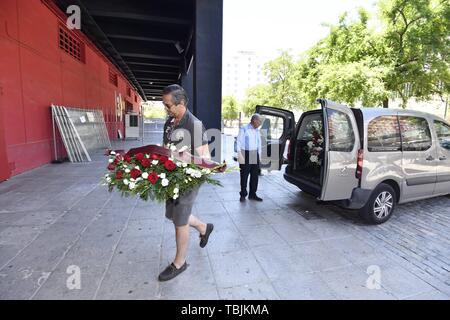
(265, 26)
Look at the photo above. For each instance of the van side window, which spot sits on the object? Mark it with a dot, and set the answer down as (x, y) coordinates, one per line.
(416, 134)
(383, 134)
(340, 131)
(443, 134)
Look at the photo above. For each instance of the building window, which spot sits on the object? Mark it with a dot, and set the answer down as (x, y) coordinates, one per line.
(135, 98)
(71, 44)
(113, 78)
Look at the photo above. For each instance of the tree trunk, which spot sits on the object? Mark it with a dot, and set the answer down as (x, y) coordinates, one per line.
(386, 103)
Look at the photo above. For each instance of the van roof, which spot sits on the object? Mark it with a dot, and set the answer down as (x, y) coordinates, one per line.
(375, 112)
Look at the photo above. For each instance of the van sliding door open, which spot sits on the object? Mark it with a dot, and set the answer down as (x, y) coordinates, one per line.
(341, 151)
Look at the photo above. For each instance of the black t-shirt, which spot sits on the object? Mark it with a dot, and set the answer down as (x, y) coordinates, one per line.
(189, 132)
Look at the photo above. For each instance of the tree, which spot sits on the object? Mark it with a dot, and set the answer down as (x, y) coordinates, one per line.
(283, 82)
(258, 95)
(345, 66)
(409, 56)
(417, 38)
(229, 108)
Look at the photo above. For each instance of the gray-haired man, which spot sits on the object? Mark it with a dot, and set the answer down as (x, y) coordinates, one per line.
(249, 153)
(179, 211)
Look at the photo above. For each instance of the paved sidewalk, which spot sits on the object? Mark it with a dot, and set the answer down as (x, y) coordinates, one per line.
(286, 247)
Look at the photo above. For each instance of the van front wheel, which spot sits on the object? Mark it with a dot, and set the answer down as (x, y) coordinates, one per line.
(380, 206)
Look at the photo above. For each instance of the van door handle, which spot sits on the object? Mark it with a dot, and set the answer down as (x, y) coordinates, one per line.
(429, 158)
(443, 158)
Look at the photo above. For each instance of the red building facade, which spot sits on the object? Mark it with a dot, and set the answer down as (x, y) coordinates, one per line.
(43, 63)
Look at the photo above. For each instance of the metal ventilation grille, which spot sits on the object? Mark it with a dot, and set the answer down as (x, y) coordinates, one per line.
(70, 44)
(113, 77)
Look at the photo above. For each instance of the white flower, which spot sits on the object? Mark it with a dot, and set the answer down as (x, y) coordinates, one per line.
(112, 153)
(155, 162)
(175, 196)
(132, 179)
(194, 173)
(185, 181)
(206, 171)
(111, 160)
(184, 164)
(147, 156)
(314, 158)
(310, 144)
(182, 149)
(176, 190)
(179, 164)
(126, 182)
(108, 179)
(319, 149)
(165, 182)
(132, 185)
(189, 170)
(145, 175)
(107, 175)
(127, 170)
(162, 175)
(138, 179)
(173, 148)
(137, 167)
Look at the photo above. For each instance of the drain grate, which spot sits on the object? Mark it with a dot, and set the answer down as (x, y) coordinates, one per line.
(308, 214)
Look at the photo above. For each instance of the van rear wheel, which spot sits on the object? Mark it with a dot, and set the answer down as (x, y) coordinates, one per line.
(380, 206)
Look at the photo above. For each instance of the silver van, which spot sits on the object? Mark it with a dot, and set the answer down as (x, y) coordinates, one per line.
(370, 159)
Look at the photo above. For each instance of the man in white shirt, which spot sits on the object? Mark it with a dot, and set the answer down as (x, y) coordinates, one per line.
(249, 153)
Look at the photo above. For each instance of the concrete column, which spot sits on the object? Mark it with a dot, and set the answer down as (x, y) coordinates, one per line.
(208, 62)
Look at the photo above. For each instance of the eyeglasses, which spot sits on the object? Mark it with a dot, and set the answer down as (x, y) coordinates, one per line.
(168, 107)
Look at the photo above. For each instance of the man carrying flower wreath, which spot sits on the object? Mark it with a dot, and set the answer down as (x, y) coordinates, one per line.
(184, 130)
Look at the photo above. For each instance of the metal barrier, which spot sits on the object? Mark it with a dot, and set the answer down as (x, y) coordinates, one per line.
(82, 131)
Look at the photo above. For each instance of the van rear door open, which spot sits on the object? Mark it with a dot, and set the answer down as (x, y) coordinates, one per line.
(341, 151)
(277, 127)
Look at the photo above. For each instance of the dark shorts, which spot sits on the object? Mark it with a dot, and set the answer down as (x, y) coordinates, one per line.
(180, 210)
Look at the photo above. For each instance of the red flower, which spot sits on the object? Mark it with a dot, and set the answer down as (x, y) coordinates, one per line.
(111, 166)
(153, 177)
(135, 173)
(169, 165)
(145, 163)
(119, 175)
(154, 156)
(127, 158)
(139, 156)
(163, 159)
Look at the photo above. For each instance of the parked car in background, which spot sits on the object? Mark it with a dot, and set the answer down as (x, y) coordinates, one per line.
(370, 159)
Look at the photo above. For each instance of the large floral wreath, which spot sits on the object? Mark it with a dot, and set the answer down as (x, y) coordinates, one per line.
(158, 173)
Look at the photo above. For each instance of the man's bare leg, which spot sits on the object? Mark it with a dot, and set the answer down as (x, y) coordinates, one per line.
(182, 239)
(197, 224)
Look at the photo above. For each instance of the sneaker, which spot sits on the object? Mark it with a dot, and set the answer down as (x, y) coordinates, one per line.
(255, 197)
(171, 272)
(204, 238)
(242, 199)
